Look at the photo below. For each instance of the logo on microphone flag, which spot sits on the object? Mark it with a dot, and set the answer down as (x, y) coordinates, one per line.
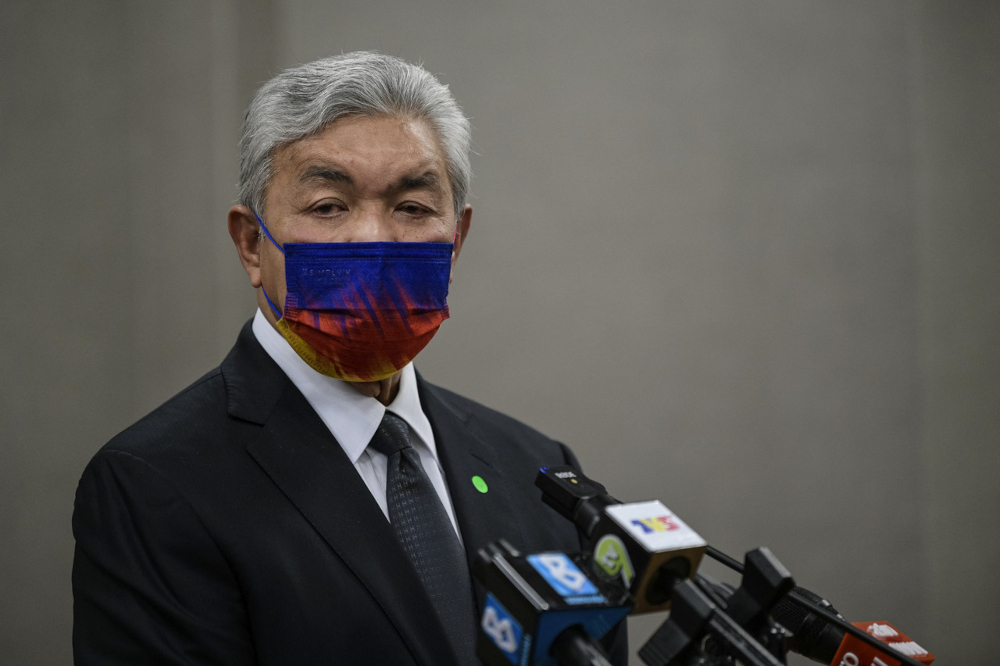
(612, 557)
(654, 526)
(657, 524)
(854, 652)
(505, 632)
(566, 578)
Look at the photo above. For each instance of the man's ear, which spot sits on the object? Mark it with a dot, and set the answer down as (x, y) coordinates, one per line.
(245, 232)
(461, 233)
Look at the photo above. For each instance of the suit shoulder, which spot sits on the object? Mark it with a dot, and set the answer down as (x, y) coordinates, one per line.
(188, 416)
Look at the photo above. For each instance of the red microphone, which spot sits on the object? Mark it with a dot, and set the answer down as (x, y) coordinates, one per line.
(855, 652)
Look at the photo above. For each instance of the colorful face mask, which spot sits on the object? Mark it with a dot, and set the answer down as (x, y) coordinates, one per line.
(361, 311)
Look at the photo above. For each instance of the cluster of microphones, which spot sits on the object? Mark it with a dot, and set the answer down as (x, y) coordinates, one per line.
(553, 608)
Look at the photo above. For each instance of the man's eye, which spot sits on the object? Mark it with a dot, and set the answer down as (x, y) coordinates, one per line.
(413, 209)
(328, 208)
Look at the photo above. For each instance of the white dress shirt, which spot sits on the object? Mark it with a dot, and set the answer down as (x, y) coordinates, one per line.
(353, 418)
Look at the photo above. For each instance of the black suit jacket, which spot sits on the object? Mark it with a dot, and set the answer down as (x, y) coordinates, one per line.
(229, 527)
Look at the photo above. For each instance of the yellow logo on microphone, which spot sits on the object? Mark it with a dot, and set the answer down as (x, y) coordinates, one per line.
(611, 555)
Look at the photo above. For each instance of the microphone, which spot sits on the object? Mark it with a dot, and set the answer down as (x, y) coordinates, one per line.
(854, 652)
(693, 618)
(765, 583)
(540, 609)
(812, 632)
(811, 635)
(642, 545)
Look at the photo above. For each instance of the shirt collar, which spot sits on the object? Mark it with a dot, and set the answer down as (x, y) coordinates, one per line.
(351, 417)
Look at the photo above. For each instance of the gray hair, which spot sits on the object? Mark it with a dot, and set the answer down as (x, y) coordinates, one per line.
(303, 100)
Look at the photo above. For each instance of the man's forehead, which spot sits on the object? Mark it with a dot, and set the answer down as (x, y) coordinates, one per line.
(407, 146)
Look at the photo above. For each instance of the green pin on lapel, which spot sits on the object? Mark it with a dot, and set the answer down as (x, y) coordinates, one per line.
(480, 485)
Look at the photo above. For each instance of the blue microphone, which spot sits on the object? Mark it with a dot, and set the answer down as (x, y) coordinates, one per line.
(540, 609)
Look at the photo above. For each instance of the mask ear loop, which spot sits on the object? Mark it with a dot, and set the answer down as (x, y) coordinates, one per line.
(277, 312)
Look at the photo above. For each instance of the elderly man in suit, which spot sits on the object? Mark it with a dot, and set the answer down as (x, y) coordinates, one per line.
(313, 500)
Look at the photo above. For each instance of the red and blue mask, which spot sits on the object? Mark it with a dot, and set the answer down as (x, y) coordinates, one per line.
(361, 311)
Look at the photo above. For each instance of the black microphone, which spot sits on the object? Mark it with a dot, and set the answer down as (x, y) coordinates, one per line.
(765, 583)
(540, 609)
(699, 632)
(811, 635)
(642, 545)
(812, 631)
(827, 638)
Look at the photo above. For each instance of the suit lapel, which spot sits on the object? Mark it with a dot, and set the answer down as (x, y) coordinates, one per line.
(304, 460)
(482, 517)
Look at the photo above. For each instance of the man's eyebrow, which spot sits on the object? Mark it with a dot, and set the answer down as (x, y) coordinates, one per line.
(424, 181)
(324, 173)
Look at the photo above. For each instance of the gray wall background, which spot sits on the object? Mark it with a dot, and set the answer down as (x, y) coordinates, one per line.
(741, 256)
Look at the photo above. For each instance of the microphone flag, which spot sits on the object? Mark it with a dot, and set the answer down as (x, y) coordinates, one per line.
(854, 652)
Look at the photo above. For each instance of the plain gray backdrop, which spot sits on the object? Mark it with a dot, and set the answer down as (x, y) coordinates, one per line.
(742, 257)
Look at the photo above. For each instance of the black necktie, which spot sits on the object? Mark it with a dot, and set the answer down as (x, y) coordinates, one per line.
(424, 530)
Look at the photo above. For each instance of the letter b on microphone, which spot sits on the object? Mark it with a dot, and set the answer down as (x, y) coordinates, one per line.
(502, 628)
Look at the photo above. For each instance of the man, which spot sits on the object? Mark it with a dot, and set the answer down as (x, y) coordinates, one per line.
(313, 500)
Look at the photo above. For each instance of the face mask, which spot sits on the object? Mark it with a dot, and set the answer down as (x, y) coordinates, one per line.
(361, 311)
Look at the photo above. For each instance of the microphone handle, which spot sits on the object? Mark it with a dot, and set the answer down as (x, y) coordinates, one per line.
(573, 647)
(735, 640)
